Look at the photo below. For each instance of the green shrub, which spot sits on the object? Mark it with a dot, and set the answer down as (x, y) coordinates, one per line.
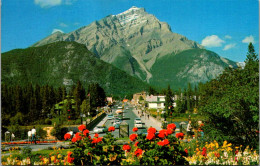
(26, 152)
(59, 131)
(48, 122)
(40, 132)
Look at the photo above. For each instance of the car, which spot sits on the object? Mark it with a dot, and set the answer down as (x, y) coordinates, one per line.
(126, 108)
(117, 122)
(100, 129)
(120, 107)
(137, 120)
(110, 116)
(139, 124)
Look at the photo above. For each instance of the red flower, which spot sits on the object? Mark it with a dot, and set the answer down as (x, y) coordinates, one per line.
(99, 139)
(150, 136)
(69, 110)
(74, 139)
(96, 135)
(96, 140)
(171, 126)
(186, 151)
(78, 137)
(82, 127)
(204, 152)
(138, 152)
(85, 132)
(162, 133)
(67, 136)
(126, 148)
(179, 135)
(111, 128)
(135, 129)
(133, 137)
(169, 131)
(217, 154)
(151, 130)
(166, 142)
(236, 152)
(160, 143)
(136, 144)
(89, 137)
(70, 159)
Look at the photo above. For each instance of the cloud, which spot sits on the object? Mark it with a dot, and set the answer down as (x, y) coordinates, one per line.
(229, 46)
(56, 30)
(47, 3)
(51, 3)
(249, 39)
(63, 24)
(212, 41)
(228, 37)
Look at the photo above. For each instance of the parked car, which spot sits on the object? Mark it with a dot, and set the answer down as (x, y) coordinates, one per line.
(137, 120)
(139, 124)
(110, 116)
(100, 129)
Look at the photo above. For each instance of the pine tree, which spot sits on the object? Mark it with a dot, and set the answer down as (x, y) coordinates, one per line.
(168, 99)
(251, 55)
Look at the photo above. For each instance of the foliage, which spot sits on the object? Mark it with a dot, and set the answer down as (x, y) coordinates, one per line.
(155, 149)
(97, 150)
(26, 152)
(40, 132)
(231, 103)
(58, 131)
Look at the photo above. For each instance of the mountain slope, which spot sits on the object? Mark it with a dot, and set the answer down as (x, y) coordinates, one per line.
(134, 41)
(63, 63)
(189, 66)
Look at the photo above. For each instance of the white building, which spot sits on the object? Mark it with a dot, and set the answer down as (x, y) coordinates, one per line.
(156, 102)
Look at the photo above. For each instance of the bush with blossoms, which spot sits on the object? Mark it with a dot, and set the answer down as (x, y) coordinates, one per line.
(155, 148)
(96, 150)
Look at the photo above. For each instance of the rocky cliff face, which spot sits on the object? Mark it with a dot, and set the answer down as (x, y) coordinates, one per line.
(132, 41)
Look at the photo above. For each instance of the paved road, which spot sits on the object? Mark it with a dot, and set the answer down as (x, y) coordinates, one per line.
(129, 117)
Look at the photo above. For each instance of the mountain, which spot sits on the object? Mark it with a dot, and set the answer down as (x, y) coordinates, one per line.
(64, 63)
(189, 66)
(137, 42)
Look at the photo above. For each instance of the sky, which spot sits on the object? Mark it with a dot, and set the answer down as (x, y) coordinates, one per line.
(223, 26)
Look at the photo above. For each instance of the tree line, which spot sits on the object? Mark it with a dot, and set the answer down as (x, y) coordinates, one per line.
(29, 104)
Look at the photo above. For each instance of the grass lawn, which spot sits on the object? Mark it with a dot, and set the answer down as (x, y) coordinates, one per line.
(46, 152)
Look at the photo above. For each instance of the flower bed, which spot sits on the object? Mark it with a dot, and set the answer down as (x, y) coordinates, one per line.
(162, 147)
(214, 154)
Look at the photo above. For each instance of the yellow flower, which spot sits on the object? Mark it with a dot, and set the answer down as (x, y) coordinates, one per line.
(59, 156)
(52, 158)
(224, 144)
(229, 149)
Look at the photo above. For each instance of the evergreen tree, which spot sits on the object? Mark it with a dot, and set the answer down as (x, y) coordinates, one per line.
(251, 55)
(168, 99)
